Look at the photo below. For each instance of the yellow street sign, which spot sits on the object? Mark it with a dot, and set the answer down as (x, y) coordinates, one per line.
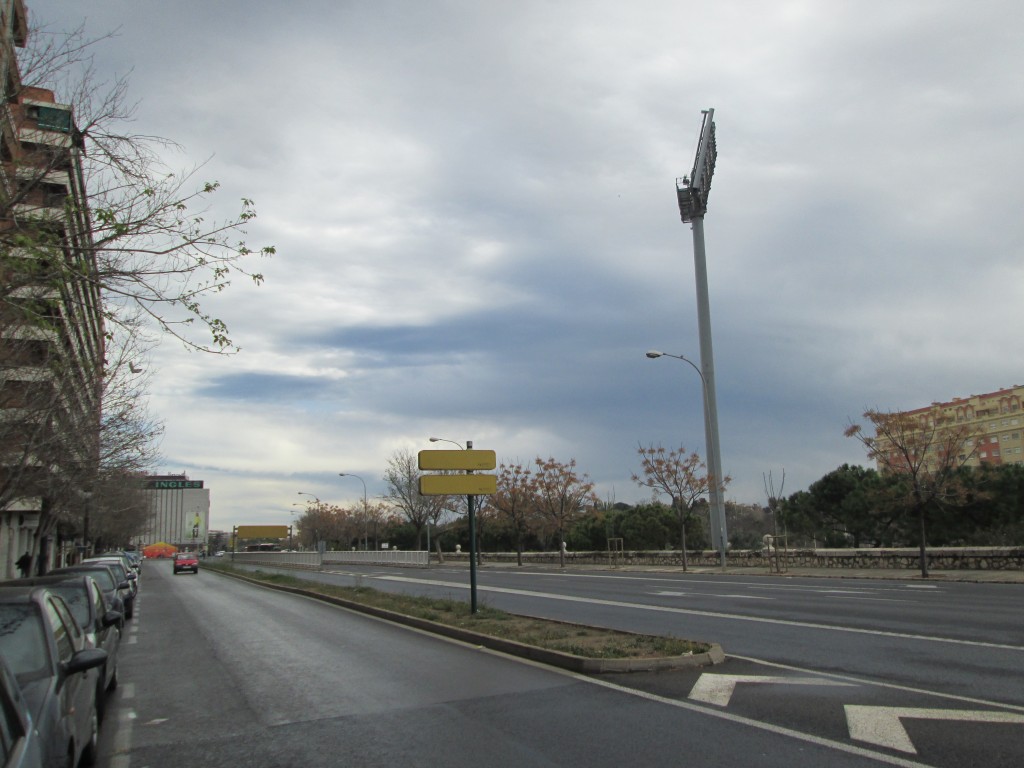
(469, 459)
(458, 485)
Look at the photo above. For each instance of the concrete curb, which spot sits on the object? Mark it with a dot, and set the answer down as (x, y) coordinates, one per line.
(568, 661)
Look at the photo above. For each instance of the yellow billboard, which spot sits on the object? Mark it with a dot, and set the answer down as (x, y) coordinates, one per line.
(262, 531)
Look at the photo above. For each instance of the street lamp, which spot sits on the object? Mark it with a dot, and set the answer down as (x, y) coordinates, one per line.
(714, 459)
(470, 504)
(315, 497)
(366, 533)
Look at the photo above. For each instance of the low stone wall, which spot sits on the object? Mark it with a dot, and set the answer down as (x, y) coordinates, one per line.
(939, 558)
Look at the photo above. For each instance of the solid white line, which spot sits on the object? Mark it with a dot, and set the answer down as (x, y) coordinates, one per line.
(710, 614)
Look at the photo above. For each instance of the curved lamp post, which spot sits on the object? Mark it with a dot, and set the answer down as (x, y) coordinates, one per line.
(470, 504)
(714, 458)
(366, 534)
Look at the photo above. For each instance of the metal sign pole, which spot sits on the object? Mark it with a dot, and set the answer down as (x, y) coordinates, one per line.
(471, 504)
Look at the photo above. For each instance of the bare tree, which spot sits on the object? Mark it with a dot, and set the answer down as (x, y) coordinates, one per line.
(403, 491)
(775, 508)
(157, 252)
(100, 243)
(681, 476)
(924, 449)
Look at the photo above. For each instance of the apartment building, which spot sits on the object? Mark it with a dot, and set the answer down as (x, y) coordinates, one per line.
(995, 421)
(51, 326)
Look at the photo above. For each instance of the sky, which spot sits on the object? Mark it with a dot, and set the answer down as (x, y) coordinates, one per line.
(474, 210)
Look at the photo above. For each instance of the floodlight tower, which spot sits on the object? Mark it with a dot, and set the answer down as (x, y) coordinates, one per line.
(692, 193)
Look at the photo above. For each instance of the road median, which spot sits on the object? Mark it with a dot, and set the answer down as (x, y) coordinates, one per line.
(575, 647)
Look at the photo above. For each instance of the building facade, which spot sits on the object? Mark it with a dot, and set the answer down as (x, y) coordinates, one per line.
(51, 323)
(995, 422)
(179, 512)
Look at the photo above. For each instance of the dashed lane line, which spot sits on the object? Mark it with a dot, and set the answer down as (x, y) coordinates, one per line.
(709, 614)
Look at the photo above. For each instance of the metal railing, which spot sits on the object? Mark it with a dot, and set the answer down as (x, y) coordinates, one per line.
(316, 560)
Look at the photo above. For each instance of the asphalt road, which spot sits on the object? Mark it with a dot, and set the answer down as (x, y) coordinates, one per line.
(935, 671)
(215, 672)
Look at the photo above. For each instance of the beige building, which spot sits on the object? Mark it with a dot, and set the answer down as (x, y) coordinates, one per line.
(179, 512)
(996, 420)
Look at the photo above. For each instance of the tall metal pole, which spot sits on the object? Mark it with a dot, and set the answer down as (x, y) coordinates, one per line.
(719, 536)
(692, 195)
(471, 503)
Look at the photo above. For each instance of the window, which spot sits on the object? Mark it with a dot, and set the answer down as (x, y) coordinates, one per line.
(61, 631)
(54, 119)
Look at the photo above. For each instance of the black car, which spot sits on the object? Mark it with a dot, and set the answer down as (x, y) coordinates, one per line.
(119, 563)
(101, 624)
(113, 590)
(57, 671)
(114, 580)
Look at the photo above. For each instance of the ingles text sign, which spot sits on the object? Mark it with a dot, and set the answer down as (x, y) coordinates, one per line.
(173, 485)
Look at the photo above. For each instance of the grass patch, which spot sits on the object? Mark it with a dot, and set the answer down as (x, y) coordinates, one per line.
(577, 639)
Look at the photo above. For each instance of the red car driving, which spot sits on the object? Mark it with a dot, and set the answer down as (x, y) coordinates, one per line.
(186, 561)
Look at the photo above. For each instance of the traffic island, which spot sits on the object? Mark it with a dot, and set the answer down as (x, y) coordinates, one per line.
(574, 647)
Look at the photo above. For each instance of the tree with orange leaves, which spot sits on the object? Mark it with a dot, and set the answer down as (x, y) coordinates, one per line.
(561, 496)
(515, 501)
(679, 475)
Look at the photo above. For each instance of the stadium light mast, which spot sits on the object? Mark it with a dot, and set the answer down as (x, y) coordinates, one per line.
(692, 194)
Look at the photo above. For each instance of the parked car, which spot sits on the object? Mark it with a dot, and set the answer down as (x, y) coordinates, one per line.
(114, 586)
(124, 561)
(186, 561)
(56, 670)
(22, 747)
(120, 569)
(132, 558)
(101, 624)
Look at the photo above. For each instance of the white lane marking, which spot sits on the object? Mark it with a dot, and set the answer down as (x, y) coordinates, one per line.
(881, 726)
(779, 730)
(748, 597)
(712, 688)
(122, 741)
(879, 684)
(709, 614)
(921, 586)
(669, 594)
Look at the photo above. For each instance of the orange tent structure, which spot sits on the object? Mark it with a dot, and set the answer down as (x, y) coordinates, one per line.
(160, 549)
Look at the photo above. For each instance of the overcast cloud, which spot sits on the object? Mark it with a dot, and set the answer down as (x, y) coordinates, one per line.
(474, 209)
